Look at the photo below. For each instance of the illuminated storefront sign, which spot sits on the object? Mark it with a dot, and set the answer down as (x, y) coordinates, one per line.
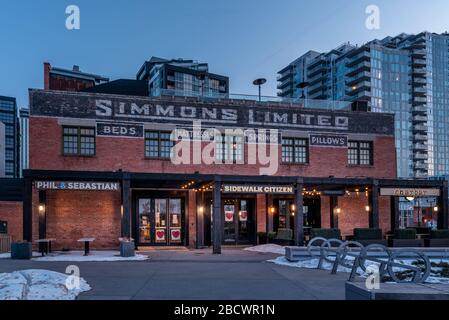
(270, 189)
(77, 185)
(409, 192)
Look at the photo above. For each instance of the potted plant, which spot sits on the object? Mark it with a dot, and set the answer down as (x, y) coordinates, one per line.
(369, 236)
(406, 238)
(127, 247)
(438, 238)
(21, 250)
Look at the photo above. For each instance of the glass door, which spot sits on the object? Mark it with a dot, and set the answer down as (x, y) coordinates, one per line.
(243, 222)
(175, 221)
(229, 222)
(144, 221)
(160, 211)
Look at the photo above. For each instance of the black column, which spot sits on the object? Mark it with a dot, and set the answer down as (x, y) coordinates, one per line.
(217, 224)
(394, 209)
(333, 205)
(443, 207)
(374, 205)
(42, 214)
(28, 210)
(126, 208)
(299, 216)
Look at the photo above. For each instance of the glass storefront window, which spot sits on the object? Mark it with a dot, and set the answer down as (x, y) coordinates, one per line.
(144, 220)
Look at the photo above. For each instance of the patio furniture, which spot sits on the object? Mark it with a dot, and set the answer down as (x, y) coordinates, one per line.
(325, 233)
(405, 238)
(45, 245)
(87, 242)
(438, 239)
(367, 236)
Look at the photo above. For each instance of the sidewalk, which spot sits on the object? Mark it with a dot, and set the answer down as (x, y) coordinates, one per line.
(197, 274)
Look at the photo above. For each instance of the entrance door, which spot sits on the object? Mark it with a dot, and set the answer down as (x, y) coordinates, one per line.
(160, 221)
(238, 221)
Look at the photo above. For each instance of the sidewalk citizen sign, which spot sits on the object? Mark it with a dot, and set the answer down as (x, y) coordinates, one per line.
(77, 185)
(269, 189)
(409, 192)
(326, 140)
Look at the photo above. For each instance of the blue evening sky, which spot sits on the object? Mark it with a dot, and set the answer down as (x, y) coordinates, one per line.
(243, 39)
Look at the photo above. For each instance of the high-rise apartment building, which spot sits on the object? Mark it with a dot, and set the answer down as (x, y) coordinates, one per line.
(407, 75)
(182, 77)
(8, 115)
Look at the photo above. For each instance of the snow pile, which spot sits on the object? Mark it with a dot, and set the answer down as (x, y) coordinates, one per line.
(38, 285)
(78, 256)
(267, 248)
(309, 264)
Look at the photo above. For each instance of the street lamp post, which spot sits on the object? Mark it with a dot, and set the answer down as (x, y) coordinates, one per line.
(303, 85)
(259, 82)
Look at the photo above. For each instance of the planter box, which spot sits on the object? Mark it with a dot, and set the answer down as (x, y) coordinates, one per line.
(406, 243)
(281, 242)
(262, 239)
(127, 249)
(437, 243)
(368, 242)
(21, 251)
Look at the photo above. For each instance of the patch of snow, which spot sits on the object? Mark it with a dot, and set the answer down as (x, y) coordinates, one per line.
(78, 256)
(267, 248)
(35, 284)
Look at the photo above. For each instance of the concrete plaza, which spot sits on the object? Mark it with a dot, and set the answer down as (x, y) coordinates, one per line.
(197, 274)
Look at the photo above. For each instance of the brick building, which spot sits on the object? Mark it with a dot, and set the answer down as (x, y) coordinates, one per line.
(101, 166)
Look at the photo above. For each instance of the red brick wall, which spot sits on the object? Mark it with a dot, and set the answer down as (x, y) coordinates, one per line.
(12, 213)
(46, 153)
(261, 210)
(353, 214)
(75, 214)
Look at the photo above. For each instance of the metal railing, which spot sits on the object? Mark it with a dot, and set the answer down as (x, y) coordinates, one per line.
(230, 98)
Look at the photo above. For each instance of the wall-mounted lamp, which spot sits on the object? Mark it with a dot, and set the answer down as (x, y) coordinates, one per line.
(293, 208)
(435, 209)
(41, 208)
(410, 198)
(367, 208)
(337, 210)
(272, 210)
(201, 209)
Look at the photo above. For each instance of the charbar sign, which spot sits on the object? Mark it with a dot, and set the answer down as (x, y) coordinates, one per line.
(258, 189)
(409, 192)
(77, 185)
(245, 114)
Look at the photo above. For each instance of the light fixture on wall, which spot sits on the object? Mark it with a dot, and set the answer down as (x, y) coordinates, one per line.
(41, 208)
(367, 208)
(435, 209)
(272, 210)
(410, 198)
(337, 210)
(293, 208)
